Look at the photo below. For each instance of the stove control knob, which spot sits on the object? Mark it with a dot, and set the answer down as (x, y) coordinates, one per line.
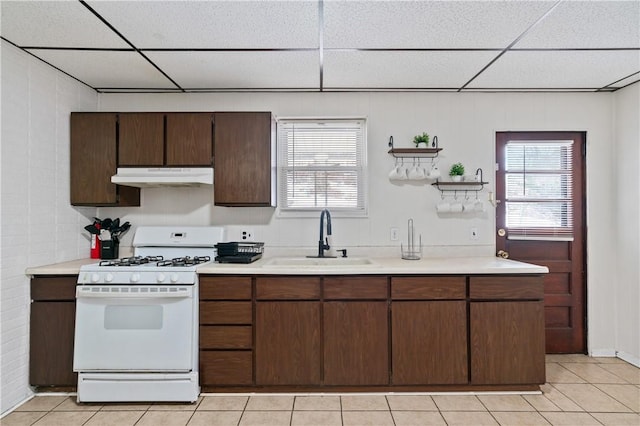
(109, 277)
(95, 277)
(160, 277)
(174, 278)
(134, 278)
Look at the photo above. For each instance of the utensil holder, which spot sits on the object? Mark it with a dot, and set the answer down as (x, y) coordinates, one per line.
(109, 249)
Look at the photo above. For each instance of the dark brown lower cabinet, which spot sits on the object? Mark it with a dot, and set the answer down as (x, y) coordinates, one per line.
(429, 342)
(52, 323)
(226, 368)
(507, 342)
(356, 343)
(287, 345)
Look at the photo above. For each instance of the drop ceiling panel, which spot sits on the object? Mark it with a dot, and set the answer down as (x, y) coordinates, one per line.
(214, 24)
(428, 24)
(626, 81)
(587, 24)
(423, 70)
(106, 69)
(223, 70)
(55, 24)
(553, 69)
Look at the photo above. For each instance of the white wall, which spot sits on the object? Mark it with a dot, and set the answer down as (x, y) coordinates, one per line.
(38, 224)
(627, 223)
(465, 125)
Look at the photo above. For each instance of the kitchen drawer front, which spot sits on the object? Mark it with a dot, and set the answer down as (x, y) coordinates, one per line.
(226, 368)
(428, 288)
(225, 337)
(225, 313)
(506, 287)
(285, 288)
(62, 287)
(344, 288)
(225, 288)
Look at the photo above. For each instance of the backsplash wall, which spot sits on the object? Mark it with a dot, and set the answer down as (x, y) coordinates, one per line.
(464, 123)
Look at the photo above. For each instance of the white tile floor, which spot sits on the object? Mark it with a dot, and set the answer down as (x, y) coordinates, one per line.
(580, 391)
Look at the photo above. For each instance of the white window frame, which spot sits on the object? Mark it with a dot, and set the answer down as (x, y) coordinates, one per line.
(291, 212)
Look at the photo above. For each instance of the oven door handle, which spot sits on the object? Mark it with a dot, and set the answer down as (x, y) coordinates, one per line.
(109, 293)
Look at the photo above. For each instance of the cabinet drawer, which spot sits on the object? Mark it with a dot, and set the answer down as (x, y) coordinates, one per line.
(370, 287)
(61, 287)
(226, 368)
(230, 288)
(428, 288)
(225, 313)
(509, 287)
(225, 337)
(283, 288)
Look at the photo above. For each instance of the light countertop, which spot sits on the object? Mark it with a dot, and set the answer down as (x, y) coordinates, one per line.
(379, 266)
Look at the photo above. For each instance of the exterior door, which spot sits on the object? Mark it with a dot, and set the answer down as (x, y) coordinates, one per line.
(540, 219)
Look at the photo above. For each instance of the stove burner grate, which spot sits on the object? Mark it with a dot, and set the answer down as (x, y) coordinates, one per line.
(131, 261)
(184, 261)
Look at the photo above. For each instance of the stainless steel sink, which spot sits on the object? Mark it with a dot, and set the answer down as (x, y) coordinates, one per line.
(318, 262)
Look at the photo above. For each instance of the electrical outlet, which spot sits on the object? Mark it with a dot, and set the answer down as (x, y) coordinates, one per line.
(395, 234)
(473, 233)
(247, 234)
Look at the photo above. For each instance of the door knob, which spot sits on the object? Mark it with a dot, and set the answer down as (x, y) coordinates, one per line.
(503, 254)
(502, 232)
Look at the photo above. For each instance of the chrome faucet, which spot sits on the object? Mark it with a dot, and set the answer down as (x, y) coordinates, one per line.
(323, 244)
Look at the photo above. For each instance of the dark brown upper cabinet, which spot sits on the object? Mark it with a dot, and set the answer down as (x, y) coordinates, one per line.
(141, 140)
(244, 171)
(165, 139)
(93, 148)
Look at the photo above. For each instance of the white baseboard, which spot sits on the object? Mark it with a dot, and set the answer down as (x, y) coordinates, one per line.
(603, 353)
(629, 358)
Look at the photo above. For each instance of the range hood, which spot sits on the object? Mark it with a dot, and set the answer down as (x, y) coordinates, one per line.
(141, 177)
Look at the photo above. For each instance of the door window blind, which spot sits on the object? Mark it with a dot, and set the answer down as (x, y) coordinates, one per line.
(321, 164)
(539, 190)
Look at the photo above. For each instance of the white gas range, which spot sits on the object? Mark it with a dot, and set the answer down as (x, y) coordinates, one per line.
(136, 335)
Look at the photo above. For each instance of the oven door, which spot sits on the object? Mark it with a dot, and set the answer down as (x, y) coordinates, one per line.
(134, 328)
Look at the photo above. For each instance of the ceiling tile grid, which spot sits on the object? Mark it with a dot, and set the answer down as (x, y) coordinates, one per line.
(239, 70)
(318, 45)
(557, 70)
(214, 24)
(106, 69)
(402, 70)
(428, 24)
(55, 24)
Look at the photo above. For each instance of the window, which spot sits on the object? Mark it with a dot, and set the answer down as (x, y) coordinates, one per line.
(539, 189)
(321, 164)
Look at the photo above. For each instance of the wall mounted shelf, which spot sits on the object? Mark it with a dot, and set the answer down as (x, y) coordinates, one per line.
(430, 152)
(463, 186)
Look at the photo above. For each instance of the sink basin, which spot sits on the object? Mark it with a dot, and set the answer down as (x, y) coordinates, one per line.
(317, 262)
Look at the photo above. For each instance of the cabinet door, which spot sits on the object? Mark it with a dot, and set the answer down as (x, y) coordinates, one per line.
(93, 162)
(140, 139)
(189, 139)
(429, 342)
(356, 343)
(287, 343)
(507, 342)
(243, 162)
(51, 344)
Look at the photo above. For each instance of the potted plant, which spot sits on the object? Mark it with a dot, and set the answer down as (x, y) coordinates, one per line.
(423, 138)
(456, 172)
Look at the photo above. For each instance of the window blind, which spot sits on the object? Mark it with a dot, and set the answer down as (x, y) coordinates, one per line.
(539, 190)
(321, 164)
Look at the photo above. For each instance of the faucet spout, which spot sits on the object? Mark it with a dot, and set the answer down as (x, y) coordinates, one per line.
(323, 243)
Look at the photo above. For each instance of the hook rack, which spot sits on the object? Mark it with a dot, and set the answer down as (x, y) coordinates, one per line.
(466, 186)
(431, 152)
